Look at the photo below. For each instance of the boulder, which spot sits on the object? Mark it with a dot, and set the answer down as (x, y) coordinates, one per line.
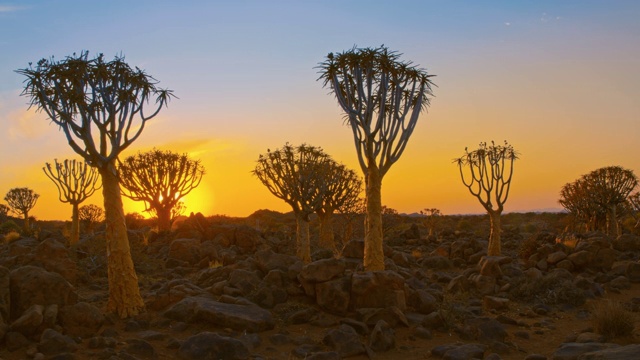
(344, 340)
(573, 350)
(626, 242)
(207, 345)
(614, 353)
(234, 316)
(54, 257)
(322, 270)
(334, 295)
(53, 343)
(382, 338)
(377, 289)
(353, 249)
(267, 260)
(30, 321)
(185, 250)
(423, 302)
(31, 285)
(5, 296)
(81, 319)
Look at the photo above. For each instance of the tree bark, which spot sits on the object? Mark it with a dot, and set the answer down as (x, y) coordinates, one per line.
(124, 294)
(75, 226)
(303, 245)
(494, 236)
(373, 251)
(612, 222)
(164, 219)
(327, 238)
(27, 228)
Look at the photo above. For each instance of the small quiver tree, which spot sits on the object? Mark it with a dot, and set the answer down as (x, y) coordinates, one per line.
(610, 188)
(349, 211)
(4, 212)
(431, 219)
(343, 186)
(382, 98)
(296, 175)
(159, 179)
(90, 215)
(21, 201)
(102, 108)
(76, 182)
(487, 173)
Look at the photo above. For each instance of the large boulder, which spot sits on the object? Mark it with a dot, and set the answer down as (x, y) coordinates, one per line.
(31, 285)
(5, 296)
(208, 345)
(334, 295)
(185, 250)
(81, 319)
(377, 289)
(234, 316)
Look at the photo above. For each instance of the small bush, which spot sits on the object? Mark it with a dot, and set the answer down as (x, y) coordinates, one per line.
(611, 319)
(11, 236)
(8, 227)
(551, 289)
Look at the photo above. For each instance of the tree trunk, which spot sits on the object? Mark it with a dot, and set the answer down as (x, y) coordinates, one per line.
(27, 228)
(124, 294)
(494, 236)
(303, 245)
(75, 226)
(612, 222)
(164, 219)
(327, 239)
(373, 251)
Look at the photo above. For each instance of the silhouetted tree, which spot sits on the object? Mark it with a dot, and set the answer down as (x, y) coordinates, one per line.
(342, 186)
(4, 212)
(76, 182)
(21, 201)
(487, 173)
(599, 196)
(431, 219)
(382, 98)
(101, 106)
(297, 176)
(160, 179)
(349, 211)
(90, 215)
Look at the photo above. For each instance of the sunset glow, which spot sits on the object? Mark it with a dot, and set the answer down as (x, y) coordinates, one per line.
(557, 80)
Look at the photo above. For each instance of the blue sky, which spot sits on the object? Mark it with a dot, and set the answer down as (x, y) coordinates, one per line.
(558, 79)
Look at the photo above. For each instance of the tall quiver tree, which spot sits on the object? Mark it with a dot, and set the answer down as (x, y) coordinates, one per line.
(21, 201)
(382, 98)
(76, 182)
(297, 176)
(487, 173)
(159, 179)
(343, 186)
(101, 106)
(610, 188)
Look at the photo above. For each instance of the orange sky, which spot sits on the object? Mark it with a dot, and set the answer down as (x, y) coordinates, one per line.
(558, 81)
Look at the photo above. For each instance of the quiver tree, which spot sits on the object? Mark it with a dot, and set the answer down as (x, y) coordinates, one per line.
(90, 215)
(349, 211)
(76, 181)
(382, 98)
(4, 212)
(159, 179)
(21, 201)
(102, 107)
(343, 186)
(599, 196)
(296, 175)
(431, 219)
(487, 173)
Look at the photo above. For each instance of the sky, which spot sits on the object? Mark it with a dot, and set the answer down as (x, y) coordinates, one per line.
(557, 79)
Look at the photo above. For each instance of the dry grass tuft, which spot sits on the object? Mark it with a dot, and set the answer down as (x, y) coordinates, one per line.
(11, 236)
(612, 319)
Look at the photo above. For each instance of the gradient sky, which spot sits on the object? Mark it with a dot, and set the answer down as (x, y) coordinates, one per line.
(559, 80)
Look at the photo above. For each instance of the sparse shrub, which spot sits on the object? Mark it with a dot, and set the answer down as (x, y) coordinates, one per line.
(9, 226)
(552, 289)
(528, 247)
(612, 319)
(11, 236)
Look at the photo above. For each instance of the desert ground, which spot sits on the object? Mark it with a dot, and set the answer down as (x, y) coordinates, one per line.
(231, 288)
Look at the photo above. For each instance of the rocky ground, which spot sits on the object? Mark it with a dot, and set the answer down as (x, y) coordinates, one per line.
(216, 290)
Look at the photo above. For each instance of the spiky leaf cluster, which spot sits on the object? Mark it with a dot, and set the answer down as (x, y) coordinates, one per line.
(159, 178)
(100, 105)
(487, 173)
(381, 96)
(21, 200)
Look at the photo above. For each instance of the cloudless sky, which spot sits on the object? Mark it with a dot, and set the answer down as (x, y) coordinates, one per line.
(559, 80)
